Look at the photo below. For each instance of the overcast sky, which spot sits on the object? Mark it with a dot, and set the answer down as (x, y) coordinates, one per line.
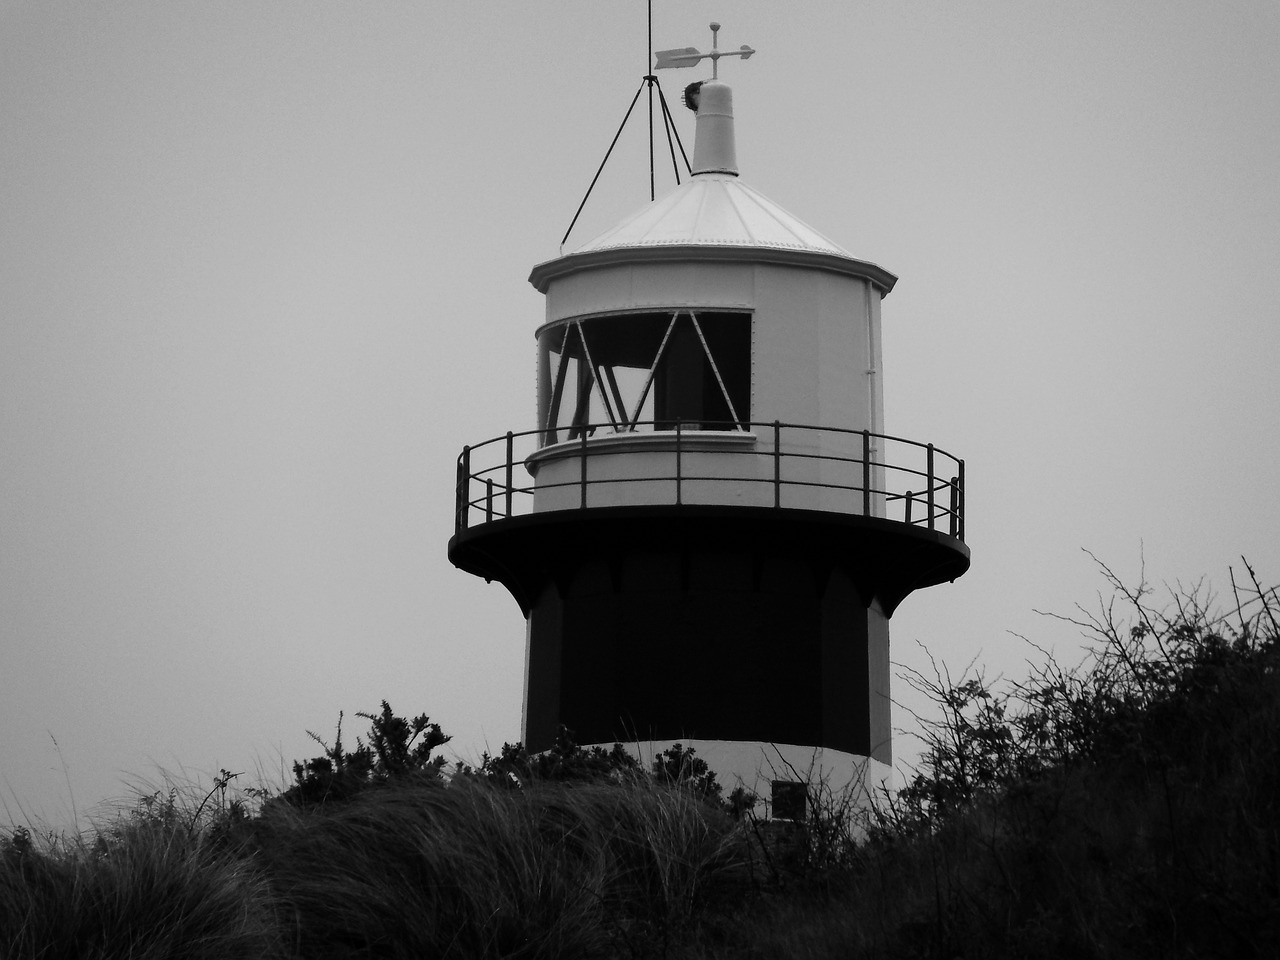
(263, 273)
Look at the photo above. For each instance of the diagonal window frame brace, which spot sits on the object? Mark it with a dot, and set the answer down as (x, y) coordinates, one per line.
(619, 402)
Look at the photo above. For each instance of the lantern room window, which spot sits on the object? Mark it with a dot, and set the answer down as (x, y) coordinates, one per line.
(645, 371)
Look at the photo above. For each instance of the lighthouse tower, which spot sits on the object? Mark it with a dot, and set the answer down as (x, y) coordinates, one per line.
(709, 529)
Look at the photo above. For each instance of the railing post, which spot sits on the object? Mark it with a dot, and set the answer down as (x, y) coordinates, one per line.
(488, 500)
(678, 465)
(955, 502)
(910, 497)
(464, 484)
(509, 481)
(929, 471)
(583, 453)
(777, 464)
(866, 473)
(960, 509)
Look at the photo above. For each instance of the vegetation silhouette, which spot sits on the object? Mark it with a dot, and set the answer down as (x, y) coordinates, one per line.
(1125, 806)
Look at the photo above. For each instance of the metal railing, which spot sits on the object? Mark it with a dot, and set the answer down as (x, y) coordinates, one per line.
(871, 474)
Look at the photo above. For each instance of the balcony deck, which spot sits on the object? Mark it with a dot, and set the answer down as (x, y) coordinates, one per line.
(888, 509)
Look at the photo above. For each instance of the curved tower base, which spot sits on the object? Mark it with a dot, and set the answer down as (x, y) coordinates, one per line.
(729, 624)
(691, 642)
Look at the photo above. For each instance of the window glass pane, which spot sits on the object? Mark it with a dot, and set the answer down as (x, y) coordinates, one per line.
(679, 387)
(599, 370)
(728, 337)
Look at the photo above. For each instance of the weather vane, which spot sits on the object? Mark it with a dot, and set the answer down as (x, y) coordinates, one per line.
(689, 56)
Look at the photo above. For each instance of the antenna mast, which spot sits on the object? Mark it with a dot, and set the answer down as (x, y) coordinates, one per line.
(650, 82)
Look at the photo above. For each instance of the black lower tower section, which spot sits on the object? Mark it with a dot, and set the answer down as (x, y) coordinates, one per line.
(715, 623)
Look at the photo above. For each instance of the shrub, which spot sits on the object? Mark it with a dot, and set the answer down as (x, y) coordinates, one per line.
(566, 761)
(1078, 811)
(397, 749)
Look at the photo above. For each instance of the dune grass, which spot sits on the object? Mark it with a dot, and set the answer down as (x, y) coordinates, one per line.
(148, 891)
(474, 870)
(419, 868)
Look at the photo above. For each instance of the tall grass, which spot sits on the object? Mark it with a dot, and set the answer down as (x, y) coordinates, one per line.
(148, 891)
(474, 870)
(421, 868)
(434, 872)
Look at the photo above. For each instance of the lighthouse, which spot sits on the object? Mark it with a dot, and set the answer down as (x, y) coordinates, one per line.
(704, 522)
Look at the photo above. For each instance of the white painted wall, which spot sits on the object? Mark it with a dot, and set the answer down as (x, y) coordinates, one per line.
(638, 468)
(830, 774)
(814, 360)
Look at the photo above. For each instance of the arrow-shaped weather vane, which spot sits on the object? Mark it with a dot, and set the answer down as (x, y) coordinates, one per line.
(689, 56)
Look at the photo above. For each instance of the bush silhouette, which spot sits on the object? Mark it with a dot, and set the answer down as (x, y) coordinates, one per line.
(397, 749)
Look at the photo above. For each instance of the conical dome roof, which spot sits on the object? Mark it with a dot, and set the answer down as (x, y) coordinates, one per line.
(714, 209)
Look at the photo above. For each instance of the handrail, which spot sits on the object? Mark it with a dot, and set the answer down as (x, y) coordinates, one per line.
(900, 479)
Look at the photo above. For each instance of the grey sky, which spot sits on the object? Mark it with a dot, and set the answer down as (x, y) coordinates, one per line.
(262, 274)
